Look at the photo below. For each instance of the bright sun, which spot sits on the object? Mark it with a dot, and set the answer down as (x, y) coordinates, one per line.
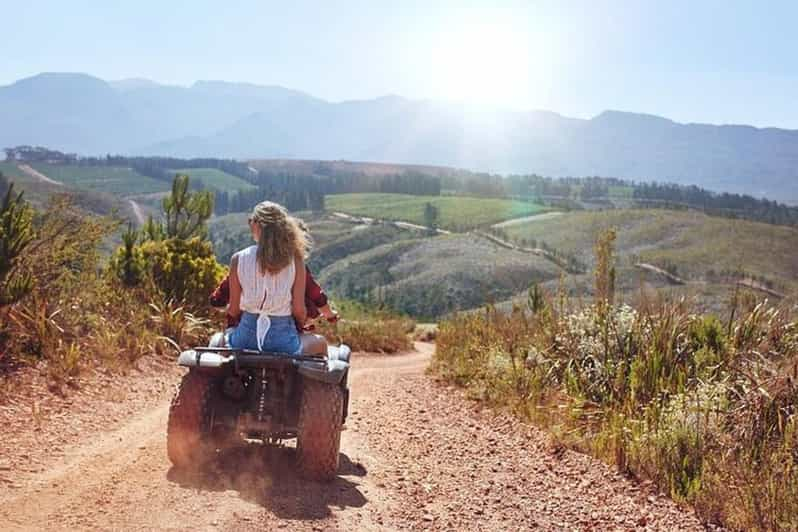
(484, 64)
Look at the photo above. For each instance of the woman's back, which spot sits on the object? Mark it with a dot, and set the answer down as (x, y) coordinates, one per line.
(264, 293)
(267, 283)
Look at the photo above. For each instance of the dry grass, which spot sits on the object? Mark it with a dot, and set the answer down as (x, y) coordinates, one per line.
(705, 409)
(76, 317)
(367, 328)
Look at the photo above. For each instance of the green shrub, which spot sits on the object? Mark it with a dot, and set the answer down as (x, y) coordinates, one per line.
(175, 254)
(184, 270)
(16, 232)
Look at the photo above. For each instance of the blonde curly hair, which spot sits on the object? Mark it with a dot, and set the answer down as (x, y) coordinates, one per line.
(281, 238)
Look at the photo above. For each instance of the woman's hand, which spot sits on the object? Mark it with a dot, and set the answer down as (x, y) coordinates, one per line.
(329, 314)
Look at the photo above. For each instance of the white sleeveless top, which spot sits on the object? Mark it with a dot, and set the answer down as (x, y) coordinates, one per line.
(266, 294)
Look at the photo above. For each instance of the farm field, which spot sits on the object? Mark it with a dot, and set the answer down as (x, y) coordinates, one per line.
(216, 179)
(113, 180)
(693, 244)
(456, 213)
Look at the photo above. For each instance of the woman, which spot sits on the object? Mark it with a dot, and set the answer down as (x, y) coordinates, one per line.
(267, 283)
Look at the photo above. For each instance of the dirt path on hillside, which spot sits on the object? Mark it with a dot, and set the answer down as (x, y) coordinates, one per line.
(37, 175)
(531, 218)
(671, 278)
(401, 225)
(416, 455)
(137, 212)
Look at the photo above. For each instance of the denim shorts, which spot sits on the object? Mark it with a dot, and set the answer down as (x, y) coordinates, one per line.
(282, 336)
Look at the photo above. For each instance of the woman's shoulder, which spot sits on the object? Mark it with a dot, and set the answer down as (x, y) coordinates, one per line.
(248, 251)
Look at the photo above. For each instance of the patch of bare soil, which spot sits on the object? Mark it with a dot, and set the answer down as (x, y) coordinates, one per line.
(416, 455)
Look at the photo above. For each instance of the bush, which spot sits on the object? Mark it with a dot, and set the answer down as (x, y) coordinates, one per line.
(185, 270)
(16, 232)
(74, 315)
(174, 255)
(366, 328)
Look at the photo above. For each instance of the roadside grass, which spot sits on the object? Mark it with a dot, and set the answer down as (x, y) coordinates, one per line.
(111, 179)
(369, 328)
(215, 179)
(74, 315)
(705, 408)
(456, 213)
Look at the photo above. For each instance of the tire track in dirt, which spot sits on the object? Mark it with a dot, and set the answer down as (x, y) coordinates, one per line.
(416, 455)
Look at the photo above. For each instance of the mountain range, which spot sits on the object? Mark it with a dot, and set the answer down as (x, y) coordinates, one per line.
(84, 114)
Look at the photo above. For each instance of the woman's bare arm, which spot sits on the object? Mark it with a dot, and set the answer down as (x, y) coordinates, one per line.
(298, 293)
(234, 307)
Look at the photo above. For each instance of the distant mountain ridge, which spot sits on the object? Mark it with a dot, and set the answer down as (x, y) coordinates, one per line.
(84, 114)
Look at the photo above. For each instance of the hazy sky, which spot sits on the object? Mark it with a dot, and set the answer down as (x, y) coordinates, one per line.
(692, 61)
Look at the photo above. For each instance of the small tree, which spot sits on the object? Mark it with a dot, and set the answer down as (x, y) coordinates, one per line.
(535, 299)
(16, 232)
(431, 215)
(186, 212)
(175, 254)
(131, 261)
(152, 230)
(605, 268)
(605, 284)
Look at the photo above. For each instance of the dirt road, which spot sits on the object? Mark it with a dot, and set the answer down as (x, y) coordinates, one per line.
(416, 455)
(38, 175)
(140, 219)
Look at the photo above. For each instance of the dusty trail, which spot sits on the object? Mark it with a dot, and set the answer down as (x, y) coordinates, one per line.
(531, 218)
(415, 455)
(38, 175)
(137, 212)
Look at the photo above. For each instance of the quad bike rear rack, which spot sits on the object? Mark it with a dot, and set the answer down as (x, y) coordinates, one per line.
(330, 369)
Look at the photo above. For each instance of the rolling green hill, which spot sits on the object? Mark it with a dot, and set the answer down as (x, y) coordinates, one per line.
(110, 179)
(432, 276)
(694, 246)
(39, 192)
(216, 179)
(429, 277)
(457, 213)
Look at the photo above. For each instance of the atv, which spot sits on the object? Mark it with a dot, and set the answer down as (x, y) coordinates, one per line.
(232, 397)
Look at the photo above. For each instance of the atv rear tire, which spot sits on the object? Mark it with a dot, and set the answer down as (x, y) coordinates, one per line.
(186, 434)
(319, 431)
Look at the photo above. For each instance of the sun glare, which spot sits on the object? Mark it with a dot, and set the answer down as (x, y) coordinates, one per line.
(484, 64)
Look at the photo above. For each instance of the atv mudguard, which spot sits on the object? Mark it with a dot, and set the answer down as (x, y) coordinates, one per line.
(331, 370)
(202, 359)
